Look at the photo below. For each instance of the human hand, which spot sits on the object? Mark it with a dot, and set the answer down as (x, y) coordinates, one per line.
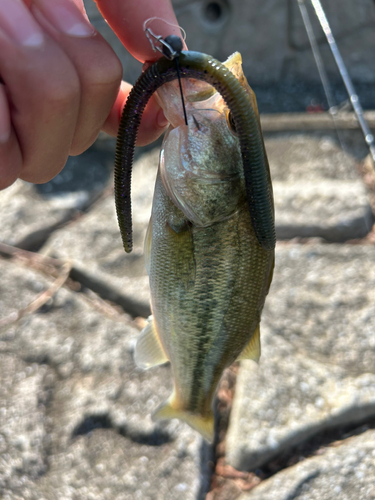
(61, 80)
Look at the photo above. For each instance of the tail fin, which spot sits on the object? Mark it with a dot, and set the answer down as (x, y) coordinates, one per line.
(204, 424)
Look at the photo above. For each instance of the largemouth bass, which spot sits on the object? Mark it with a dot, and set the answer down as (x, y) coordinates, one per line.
(209, 275)
(210, 243)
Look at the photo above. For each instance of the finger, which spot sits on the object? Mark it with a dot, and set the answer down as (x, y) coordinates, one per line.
(127, 18)
(97, 66)
(10, 161)
(81, 7)
(43, 92)
(5, 125)
(79, 4)
(10, 155)
(153, 121)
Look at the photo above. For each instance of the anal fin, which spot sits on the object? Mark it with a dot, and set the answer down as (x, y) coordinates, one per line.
(148, 350)
(252, 350)
(204, 424)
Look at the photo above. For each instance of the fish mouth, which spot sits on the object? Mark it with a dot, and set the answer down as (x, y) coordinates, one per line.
(200, 120)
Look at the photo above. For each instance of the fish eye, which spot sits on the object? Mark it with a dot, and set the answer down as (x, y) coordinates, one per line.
(231, 124)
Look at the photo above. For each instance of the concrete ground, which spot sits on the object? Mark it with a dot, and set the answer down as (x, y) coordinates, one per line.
(75, 411)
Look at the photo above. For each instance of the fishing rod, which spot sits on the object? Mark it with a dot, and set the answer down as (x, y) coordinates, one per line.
(316, 53)
(354, 99)
(332, 108)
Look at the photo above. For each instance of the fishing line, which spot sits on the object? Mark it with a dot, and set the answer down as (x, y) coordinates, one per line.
(166, 22)
(354, 100)
(171, 47)
(353, 97)
(332, 108)
(182, 95)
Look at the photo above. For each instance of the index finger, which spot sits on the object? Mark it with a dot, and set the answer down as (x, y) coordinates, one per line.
(127, 18)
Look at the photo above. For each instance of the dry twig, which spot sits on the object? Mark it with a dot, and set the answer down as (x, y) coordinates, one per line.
(60, 271)
(41, 299)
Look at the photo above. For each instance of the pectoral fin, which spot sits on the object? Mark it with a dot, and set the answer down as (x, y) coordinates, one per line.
(148, 350)
(204, 424)
(252, 350)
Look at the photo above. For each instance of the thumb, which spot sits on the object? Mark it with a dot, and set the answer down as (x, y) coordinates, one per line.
(127, 18)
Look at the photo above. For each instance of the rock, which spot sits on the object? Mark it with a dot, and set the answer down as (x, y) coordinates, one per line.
(24, 440)
(15, 278)
(27, 228)
(67, 332)
(106, 465)
(105, 445)
(101, 440)
(317, 369)
(296, 157)
(31, 213)
(336, 211)
(290, 400)
(322, 301)
(94, 244)
(345, 472)
(317, 189)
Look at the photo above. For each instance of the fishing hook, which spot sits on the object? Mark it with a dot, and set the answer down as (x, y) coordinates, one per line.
(171, 48)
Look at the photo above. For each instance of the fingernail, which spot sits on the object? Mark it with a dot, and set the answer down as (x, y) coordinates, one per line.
(65, 17)
(17, 22)
(5, 126)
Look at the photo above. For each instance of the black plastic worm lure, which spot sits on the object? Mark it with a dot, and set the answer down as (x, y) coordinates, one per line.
(200, 67)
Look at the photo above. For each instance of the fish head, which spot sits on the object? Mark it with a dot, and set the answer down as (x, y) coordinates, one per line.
(200, 163)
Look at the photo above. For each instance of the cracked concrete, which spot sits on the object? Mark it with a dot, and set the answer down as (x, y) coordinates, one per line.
(76, 409)
(87, 361)
(345, 471)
